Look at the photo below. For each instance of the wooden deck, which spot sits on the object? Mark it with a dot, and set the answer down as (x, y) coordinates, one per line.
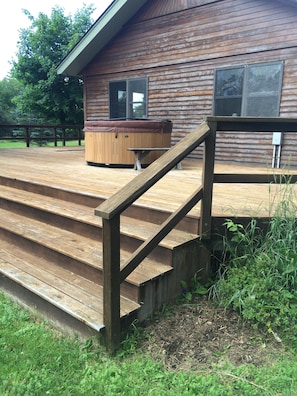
(66, 168)
(50, 239)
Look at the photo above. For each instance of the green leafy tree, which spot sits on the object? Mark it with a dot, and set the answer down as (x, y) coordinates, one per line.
(45, 95)
(9, 88)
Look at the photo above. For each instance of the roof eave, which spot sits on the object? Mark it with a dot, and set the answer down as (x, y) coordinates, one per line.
(101, 33)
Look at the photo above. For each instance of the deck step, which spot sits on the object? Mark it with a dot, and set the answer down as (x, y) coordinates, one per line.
(74, 295)
(79, 250)
(137, 229)
(51, 254)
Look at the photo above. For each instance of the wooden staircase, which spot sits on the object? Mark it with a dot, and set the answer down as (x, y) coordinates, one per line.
(51, 255)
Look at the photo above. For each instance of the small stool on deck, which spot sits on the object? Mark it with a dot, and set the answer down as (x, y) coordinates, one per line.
(141, 152)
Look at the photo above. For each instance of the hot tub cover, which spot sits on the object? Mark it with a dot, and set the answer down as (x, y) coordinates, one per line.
(135, 125)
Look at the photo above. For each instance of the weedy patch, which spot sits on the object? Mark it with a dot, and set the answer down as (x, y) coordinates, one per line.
(258, 276)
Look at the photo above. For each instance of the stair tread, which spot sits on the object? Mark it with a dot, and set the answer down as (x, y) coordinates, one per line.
(71, 293)
(78, 247)
(135, 228)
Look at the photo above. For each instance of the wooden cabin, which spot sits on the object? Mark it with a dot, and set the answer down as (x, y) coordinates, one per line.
(183, 60)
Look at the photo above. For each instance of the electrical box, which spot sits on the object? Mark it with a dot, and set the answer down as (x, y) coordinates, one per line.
(277, 138)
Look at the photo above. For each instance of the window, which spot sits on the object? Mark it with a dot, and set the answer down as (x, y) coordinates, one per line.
(251, 90)
(128, 98)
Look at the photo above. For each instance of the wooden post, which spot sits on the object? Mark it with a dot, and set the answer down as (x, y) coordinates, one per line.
(27, 136)
(207, 182)
(111, 282)
(79, 136)
(55, 136)
(64, 136)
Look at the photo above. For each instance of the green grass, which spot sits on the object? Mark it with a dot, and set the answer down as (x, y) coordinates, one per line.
(36, 360)
(22, 144)
(12, 144)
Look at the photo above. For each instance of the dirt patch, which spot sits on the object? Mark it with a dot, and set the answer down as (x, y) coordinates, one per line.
(198, 335)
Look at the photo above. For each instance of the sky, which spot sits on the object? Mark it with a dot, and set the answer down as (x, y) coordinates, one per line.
(12, 19)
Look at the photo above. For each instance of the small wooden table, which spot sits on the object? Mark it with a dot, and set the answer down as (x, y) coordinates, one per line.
(141, 152)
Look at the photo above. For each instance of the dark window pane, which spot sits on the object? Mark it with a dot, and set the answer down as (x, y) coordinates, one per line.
(228, 91)
(117, 99)
(265, 106)
(228, 107)
(229, 82)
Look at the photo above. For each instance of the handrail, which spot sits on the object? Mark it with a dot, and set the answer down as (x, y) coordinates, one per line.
(54, 127)
(254, 124)
(111, 209)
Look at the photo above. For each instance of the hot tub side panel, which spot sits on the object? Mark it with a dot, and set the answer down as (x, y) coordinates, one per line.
(107, 142)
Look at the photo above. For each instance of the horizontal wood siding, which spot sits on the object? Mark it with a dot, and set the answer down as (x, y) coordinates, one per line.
(200, 33)
(179, 44)
(165, 7)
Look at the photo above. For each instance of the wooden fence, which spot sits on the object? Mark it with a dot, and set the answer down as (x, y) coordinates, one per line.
(41, 134)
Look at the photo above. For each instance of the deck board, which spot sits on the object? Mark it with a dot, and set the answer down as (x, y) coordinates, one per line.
(67, 290)
(85, 214)
(66, 168)
(75, 246)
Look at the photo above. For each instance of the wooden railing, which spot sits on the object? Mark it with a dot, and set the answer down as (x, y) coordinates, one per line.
(42, 133)
(254, 125)
(111, 209)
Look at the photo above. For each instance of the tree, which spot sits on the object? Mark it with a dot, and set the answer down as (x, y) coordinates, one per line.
(45, 95)
(9, 88)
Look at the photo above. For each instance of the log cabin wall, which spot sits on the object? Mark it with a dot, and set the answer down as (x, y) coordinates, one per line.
(178, 45)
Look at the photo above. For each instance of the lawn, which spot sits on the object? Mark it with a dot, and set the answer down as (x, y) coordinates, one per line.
(22, 144)
(37, 360)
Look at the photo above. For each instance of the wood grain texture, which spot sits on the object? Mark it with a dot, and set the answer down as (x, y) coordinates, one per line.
(178, 45)
(66, 168)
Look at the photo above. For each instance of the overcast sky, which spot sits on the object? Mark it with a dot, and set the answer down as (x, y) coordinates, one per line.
(12, 19)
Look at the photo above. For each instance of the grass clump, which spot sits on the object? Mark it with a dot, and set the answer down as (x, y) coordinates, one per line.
(258, 275)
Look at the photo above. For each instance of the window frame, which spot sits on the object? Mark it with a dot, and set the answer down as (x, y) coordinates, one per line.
(245, 88)
(129, 108)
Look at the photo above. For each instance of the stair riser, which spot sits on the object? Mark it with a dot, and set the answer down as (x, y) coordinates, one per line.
(128, 243)
(81, 228)
(54, 192)
(41, 308)
(166, 288)
(187, 224)
(52, 314)
(35, 252)
(160, 254)
(153, 215)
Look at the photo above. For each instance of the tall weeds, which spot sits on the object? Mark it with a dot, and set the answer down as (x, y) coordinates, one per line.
(258, 274)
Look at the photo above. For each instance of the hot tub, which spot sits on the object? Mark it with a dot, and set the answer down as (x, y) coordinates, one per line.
(107, 142)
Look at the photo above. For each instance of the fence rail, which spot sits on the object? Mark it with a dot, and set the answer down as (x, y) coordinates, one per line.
(41, 133)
